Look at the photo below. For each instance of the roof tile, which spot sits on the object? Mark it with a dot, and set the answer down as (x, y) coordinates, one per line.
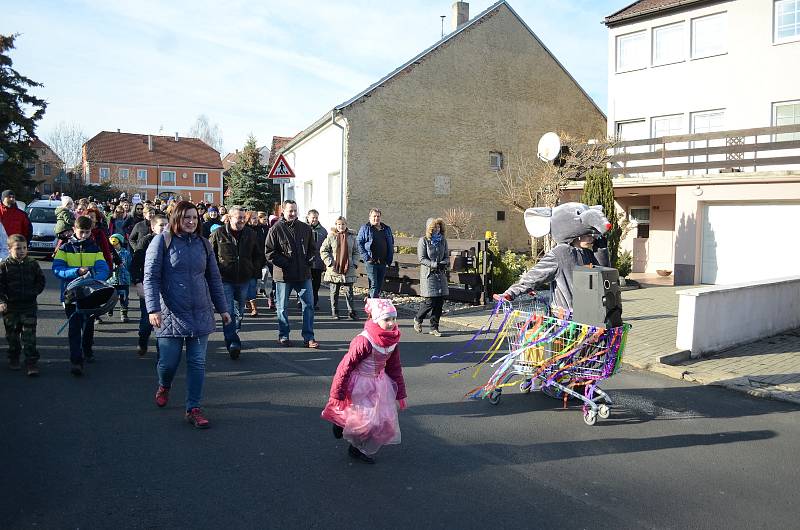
(128, 148)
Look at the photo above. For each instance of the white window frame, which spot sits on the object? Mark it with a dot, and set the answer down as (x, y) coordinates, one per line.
(681, 55)
(106, 171)
(786, 136)
(792, 38)
(208, 197)
(642, 222)
(495, 160)
(205, 180)
(166, 182)
(123, 171)
(334, 192)
(723, 17)
(308, 194)
(621, 39)
(141, 175)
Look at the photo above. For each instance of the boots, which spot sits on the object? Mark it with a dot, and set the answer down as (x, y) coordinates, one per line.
(124, 316)
(253, 309)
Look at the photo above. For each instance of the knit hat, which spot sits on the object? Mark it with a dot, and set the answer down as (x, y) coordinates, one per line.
(6, 193)
(118, 237)
(213, 210)
(66, 200)
(379, 309)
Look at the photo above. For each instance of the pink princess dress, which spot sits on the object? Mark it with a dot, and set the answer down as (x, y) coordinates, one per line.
(367, 384)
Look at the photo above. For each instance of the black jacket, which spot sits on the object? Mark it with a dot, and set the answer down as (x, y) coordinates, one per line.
(291, 251)
(21, 281)
(140, 229)
(137, 261)
(240, 259)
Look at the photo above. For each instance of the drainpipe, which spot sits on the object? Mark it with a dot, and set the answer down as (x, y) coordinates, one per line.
(341, 170)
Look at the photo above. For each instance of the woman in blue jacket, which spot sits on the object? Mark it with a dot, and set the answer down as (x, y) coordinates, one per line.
(182, 287)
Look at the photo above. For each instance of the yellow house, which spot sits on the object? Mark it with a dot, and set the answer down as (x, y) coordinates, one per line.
(432, 134)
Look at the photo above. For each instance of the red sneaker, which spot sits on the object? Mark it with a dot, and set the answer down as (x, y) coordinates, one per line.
(162, 396)
(196, 418)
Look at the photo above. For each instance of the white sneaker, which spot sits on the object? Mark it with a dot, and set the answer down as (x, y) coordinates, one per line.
(435, 333)
(418, 326)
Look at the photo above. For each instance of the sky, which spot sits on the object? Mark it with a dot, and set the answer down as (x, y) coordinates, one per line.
(253, 67)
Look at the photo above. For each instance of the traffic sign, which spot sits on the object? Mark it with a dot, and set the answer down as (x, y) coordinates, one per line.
(281, 169)
(281, 180)
(3, 156)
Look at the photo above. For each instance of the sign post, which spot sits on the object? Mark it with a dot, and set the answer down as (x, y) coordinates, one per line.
(281, 173)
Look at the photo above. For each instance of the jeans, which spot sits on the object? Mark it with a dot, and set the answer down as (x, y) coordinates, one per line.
(124, 294)
(236, 296)
(348, 297)
(375, 274)
(432, 305)
(169, 349)
(303, 290)
(81, 334)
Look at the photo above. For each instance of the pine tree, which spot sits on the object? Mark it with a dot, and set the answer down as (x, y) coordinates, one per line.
(248, 180)
(19, 112)
(599, 189)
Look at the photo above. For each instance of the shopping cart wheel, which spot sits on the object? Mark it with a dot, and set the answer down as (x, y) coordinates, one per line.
(526, 386)
(604, 411)
(590, 417)
(494, 396)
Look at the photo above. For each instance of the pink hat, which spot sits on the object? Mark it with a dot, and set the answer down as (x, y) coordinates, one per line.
(379, 308)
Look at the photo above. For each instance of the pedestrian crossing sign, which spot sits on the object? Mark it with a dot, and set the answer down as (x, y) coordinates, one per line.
(281, 169)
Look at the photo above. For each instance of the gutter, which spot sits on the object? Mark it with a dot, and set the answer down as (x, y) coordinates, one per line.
(343, 166)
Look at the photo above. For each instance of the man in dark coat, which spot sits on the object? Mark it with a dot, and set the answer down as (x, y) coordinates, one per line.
(142, 228)
(290, 248)
(239, 258)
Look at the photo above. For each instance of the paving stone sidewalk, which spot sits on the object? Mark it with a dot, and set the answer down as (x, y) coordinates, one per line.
(768, 368)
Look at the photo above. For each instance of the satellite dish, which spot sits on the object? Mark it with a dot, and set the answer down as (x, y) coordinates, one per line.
(549, 147)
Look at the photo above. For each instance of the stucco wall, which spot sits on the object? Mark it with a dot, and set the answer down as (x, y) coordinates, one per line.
(491, 88)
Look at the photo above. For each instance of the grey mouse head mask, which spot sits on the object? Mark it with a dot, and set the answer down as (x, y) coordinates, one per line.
(566, 221)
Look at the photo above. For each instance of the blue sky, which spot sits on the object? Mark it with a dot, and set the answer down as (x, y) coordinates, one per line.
(261, 67)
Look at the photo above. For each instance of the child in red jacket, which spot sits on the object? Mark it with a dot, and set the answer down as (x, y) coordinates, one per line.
(368, 381)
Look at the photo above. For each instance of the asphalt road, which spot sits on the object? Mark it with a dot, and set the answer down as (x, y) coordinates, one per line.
(96, 452)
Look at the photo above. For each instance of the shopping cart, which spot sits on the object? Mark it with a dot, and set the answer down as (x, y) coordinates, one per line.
(549, 352)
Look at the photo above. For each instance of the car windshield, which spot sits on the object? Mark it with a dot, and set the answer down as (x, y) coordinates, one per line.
(42, 215)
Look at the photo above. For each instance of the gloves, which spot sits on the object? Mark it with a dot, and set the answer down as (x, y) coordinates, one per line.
(402, 403)
(504, 297)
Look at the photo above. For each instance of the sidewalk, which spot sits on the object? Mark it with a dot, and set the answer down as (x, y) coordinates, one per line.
(769, 368)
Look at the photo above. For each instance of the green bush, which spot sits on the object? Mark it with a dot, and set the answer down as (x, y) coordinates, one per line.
(405, 250)
(508, 266)
(625, 263)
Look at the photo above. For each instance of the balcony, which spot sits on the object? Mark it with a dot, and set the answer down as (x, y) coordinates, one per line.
(722, 154)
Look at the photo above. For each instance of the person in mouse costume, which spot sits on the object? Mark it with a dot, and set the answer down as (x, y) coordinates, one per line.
(574, 227)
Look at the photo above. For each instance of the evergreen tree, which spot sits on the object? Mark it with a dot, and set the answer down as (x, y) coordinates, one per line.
(599, 189)
(19, 112)
(248, 180)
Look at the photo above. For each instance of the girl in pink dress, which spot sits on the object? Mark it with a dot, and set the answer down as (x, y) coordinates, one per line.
(368, 382)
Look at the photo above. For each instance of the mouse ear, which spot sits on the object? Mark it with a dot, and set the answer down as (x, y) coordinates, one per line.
(596, 207)
(537, 221)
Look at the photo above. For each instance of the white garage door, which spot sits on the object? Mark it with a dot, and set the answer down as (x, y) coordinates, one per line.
(747, 242)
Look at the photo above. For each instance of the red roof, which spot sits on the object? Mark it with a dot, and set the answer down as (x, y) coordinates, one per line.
(35, 143)
(278, 143)
(647, 7)
(127, 148)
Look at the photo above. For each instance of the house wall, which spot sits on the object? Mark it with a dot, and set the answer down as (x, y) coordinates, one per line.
(745, 81)
(185, 185)
(45, 169)
(491, 88)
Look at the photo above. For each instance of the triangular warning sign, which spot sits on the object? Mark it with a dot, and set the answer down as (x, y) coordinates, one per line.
(281, 169)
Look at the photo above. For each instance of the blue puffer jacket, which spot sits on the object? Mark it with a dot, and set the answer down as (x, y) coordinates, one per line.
(184, 284)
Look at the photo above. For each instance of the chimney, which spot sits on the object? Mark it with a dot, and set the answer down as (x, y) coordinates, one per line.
(176, 136)
(149, 142)
(117, 131)
(460, 14)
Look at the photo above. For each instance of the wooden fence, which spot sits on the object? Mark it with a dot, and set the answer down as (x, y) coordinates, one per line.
(402, 276)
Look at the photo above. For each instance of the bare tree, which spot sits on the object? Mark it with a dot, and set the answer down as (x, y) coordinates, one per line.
(459, 220)
(66, 140)
(210, 134)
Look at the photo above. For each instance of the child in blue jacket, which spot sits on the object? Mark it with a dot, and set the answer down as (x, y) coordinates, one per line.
(121, 277)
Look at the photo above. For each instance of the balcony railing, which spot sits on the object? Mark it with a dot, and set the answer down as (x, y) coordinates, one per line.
(741, 150)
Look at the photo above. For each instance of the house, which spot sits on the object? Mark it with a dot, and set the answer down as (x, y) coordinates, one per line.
(433, 133)
(153, 165)
(703, 97)
(46, 169)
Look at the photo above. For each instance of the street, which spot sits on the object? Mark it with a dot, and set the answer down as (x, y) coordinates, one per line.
(95, 452)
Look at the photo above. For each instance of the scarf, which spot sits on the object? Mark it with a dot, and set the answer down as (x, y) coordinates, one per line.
(342, 260)
(381, 337)
(436, 239)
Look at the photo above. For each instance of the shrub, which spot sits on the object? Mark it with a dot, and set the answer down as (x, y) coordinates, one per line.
(405, 250)
(625, 263)
(507, 266)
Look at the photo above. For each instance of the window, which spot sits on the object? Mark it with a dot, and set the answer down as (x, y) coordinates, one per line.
(123, 173)
(208, 197)
(631, 130)
(495, 160)
(104, 173)
(668, 44)
(709, 35)
(641, 216)
(441, 185)
(308, 194)
(632, 51)
(30, 167)
(787, 20)
(334, 193)
(666, 125)
(47, 188)
(168, 177)
(201, 178)
(46, 169)
(141, 174)
(786, 113)
(501, 215)
(704, 122)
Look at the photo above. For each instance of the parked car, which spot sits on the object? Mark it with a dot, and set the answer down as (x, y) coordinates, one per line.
(43, 218)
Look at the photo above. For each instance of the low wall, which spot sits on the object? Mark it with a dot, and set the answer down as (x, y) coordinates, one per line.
(717, 317)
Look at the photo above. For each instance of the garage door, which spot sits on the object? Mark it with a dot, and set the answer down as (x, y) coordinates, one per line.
(746, 242)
